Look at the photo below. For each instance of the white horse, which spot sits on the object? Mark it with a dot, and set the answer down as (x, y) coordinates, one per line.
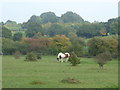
(62, 56)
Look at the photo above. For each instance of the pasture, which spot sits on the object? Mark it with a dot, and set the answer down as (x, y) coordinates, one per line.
(48, 73)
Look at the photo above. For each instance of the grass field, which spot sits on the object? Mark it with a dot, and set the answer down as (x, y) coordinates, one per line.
(18, 73)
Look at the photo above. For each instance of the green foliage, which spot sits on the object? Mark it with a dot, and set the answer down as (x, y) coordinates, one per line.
(78, 45)
(48, 17)
(21, 46)
(77, 48)
(31, 57)
(17, 36)
(57, 29)
(37, 35)
(70, 17)
(89, 30)
(17, 55)
(39, 56)
(33, 28)
(13, 26)
(33, 19)
(74, 59)
(99, 45)
(114, 28)
(8, 46)
(109, 25)
(102, 58)
(6, 33)
(61, 43)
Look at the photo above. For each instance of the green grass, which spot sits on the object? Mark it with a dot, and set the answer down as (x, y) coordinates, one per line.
(47, 73)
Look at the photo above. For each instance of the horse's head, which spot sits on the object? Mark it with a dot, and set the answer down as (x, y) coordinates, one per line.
(57, 59)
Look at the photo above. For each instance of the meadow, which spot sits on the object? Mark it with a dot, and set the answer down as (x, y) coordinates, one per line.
(48, 73)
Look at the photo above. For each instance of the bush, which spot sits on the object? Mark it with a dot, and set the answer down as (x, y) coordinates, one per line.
(8, 47)
(17, 55)
(39, 55)
(102, 58)
(31, 57)
(40, 45)
(74, 59)
(99, 45)
(22, 47)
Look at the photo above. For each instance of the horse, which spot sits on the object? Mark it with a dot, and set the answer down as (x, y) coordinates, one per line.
(61, 56)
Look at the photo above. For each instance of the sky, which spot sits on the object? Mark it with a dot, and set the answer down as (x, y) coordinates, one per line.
(90, 10)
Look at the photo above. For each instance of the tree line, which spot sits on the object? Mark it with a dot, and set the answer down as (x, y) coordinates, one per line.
(49, 34)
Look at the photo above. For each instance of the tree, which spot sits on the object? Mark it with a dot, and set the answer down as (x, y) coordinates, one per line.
(70, 17)
(40, 45)
(13, 26)
(98, 45)
(103, 58)
(57, 29)
(48, 17)
(7, 46)
(17, 36)
(61, 43)
(89, 30)
(74, 59)
(33, 28)
(114, 28)
(6, 33)
(21, 46)
(78, 45)
(33, 19)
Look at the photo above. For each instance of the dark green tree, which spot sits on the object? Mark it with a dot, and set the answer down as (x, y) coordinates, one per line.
(33, 28)
(57, 29)
(17, 36)
(8, 46)
(48, 17)
(89, 30)
(6, 33)
(70, 17)
(33, 19)
(114, 28)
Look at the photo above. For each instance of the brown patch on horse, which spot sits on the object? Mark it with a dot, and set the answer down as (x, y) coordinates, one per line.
(66, 55)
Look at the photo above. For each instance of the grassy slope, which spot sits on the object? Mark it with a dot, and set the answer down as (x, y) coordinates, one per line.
(20, 74)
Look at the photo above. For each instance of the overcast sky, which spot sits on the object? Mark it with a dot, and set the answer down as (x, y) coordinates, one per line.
(89, 10)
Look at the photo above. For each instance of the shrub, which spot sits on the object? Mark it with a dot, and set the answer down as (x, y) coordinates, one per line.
(21, 46)
(102, 58)
(99, 45)
(31, 57)
(39, 55)
(8, 46)
(74, 59)
(17, 55)
(40, 45)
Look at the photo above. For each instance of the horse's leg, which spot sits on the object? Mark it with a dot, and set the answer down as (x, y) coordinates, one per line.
(67, 59)
(61, 59)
